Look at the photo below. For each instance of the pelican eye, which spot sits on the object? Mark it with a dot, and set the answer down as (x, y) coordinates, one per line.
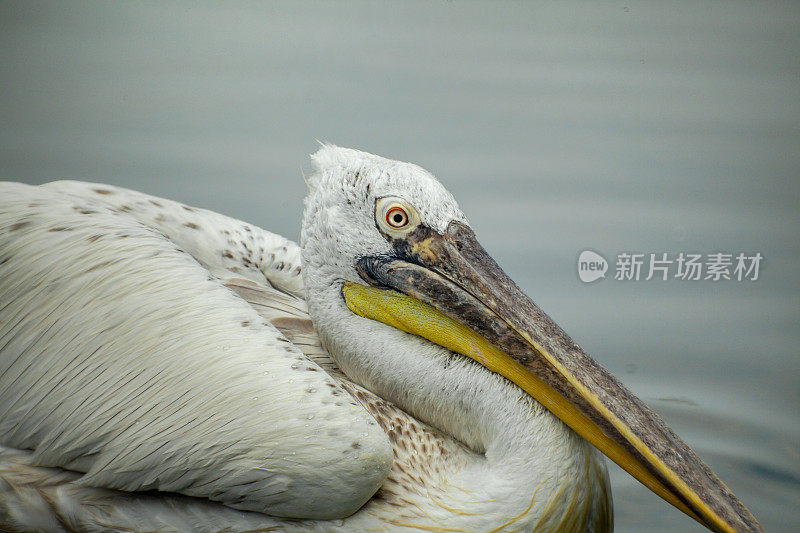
(395, 217)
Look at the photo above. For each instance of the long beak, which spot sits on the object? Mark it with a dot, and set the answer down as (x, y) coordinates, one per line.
(451, 277)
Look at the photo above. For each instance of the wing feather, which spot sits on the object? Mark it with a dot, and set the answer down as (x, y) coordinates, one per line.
(128, 353)
(224, 246)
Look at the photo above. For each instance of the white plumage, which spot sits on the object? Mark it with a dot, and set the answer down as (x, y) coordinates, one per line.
(150, 346)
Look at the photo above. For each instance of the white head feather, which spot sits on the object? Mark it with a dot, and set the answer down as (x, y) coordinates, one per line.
(339, 219)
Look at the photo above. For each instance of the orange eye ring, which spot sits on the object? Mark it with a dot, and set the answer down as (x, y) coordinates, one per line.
(396, 217)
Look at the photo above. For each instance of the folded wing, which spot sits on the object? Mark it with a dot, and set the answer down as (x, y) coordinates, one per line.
(127, 354)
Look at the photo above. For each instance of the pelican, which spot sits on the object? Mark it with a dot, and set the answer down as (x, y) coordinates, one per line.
(167, 368)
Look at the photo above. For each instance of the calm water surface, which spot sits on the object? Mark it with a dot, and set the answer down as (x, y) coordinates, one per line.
(618, 126)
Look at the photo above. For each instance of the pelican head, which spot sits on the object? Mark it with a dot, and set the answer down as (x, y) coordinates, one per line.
(387, 249)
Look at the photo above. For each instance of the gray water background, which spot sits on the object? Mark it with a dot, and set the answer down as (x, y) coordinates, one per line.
(615, 126)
